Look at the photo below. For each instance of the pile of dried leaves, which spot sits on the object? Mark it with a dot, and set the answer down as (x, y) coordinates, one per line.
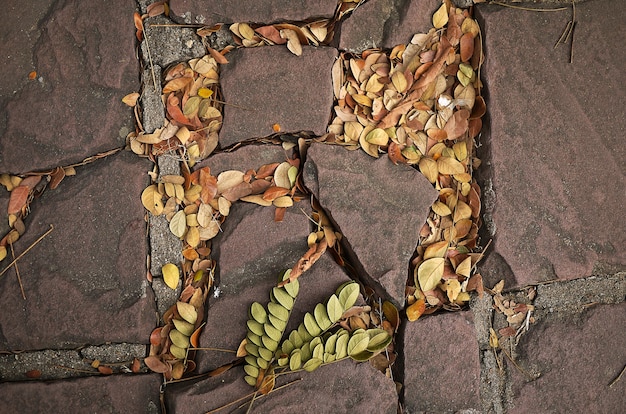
(421, 105)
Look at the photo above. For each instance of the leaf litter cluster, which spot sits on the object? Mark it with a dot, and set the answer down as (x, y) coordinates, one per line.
(420, 104)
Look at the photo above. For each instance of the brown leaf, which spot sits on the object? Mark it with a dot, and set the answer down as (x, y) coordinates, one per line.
(33, 373)
(306, 261)
(209, 185)
(271, 33)
(467, 47)
(18, 199)
(219, 58)
(156, 365)
(274, 192)
(105, 370)
(457, 124)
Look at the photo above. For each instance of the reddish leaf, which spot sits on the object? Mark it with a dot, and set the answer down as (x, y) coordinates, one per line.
(271, 33)
(219, 58)
(274, 192)
(266, 170)
(155, 337)
(56, 177)
(220, 370)
(33, 373)
(19, 197)
(395, 153)
(209, 185)
(136, 365)
(156, 365)
(105, 370)
(457, 124)
(279, 214)
(467, 47)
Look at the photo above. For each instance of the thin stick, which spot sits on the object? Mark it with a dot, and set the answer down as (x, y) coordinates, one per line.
(618, 377)
(17, 273)
(145, 33)
(27, 250)
(571, 50)
(530, 377)
(230, 351)
(527, 8)
(176, 25)
(564, 34)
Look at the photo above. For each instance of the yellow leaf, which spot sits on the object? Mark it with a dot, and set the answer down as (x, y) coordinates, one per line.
(438, 249)
(204, 92)
(464, 267)
(453, 288)
(171, 275)
(430, 272)
(493, 338)
(462, 211)
(3, 253)
(256, 199)
(440, 18)
(428, 167)
(449, 166)
(223, 206)
(178, 224)
(441, 209)
(284, 201)
(151, 200)
(378, 136)
(131, 99)
(399, 81)
(193, 237)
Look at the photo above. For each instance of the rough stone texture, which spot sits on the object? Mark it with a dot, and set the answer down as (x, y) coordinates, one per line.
(244, 158)
(153, 114)
(86, 281)
(168, 44)
(293, 91)
(577, 358)
(85, 63)
(386, 23)
(558, 169)
(251, 252)
(94, 395)
(4, 217)
(259, 11)
(343, 387)
(442, 368)
(378, 207)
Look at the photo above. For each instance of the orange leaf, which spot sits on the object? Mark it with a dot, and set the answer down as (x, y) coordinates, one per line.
(266, 170)
(271, 33)
(136, 366)
(279, 214)
(156, 365)
(467, 47)
(194, 340)
(104, 370)
(209, 185)
(274, 192)
(33, 373)
(19, 197)
(395, 154)
(219, 58)
(414, 311)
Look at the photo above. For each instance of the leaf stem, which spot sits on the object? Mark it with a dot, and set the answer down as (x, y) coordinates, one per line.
(27, 250)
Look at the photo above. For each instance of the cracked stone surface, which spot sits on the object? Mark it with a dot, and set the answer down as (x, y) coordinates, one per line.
(102, 394)
(379, 208)
(292, 91)
(386, 23)
(343, 387)
(258, 11)
(575, 372)
(86, 281)
(85, 62)
(557, 158)
(449, 381)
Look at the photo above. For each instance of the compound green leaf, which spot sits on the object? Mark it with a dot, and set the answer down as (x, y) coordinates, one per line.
(311, 326)
(321, 317)
(348, 295)
(334, 308)
(358, 343)
(283, 298)
(312, 364)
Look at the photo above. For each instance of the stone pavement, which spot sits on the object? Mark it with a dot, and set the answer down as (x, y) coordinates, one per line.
(551, 146)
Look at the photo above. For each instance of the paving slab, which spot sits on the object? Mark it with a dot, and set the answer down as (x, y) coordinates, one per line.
(342, 387)
(84, 62)
(441, 364)
(210, 12)
(556, 133)
(386, 23)
(85, 283)
(93, 395)
(378, 207)
(577, 358)
(270, 85)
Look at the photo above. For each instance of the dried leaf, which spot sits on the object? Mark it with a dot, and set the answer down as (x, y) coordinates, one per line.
(428, 168)
(430, 272)
(18, 199)
(155, 364)
(440, 18)
(187, 312)
(171, 275)
(449, 166)
(178, 224)
(131, 99)
(415, 310)
(151, 200)
(467, 47)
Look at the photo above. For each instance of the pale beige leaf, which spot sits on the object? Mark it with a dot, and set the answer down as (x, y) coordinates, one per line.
(440, 18)
(377, 136)
(204, 216)
(228, 179)
(449, 166)
(151, 200)
(178, 224)
(428, 167)
(430, 272)
(281, 175)
(256, 199)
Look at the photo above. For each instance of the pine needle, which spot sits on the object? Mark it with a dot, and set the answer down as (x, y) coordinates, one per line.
(27, 250)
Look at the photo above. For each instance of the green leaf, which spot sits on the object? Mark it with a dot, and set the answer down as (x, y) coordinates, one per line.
(321, 317)
(269, 343)
(295, 360)
(252, 371)
(255, 327)
(305, 352)
(283, 298)
(263, 364)
(250, 380)
(318, 352)
(277, 323)
(272, 332)
(358, 343)
(363, 356)
(287, 347)
(187, 312)
(278, 311)
(334, 309)
(348, 295)
(329, 357)
(296, 339)
(341, 347)
(329, 346)
(311, 326)
(252, 349)
(265, 353)
(254, 338)
(257, 311)
(251, 360)
(312, 364)
(304, 334)
(379, 340)
(292, 287)
(183, 326)
(179, 339)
